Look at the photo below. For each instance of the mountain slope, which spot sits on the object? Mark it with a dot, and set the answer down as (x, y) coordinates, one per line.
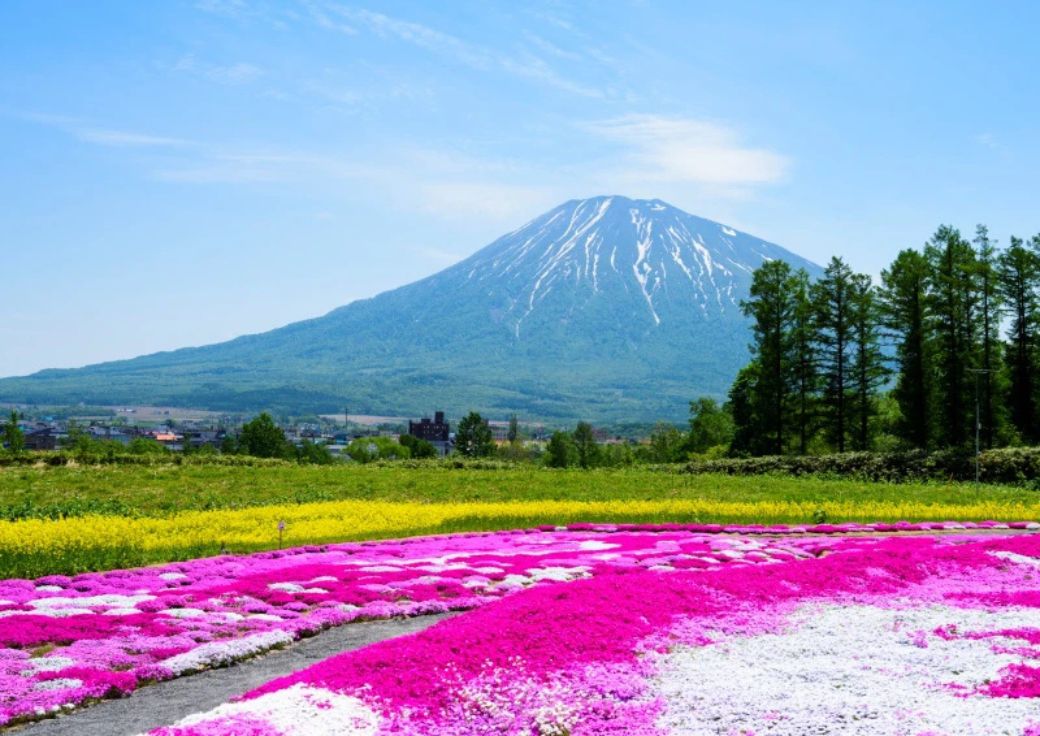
(606, 308)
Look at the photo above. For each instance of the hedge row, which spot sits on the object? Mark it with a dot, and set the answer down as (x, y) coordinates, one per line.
(1010, 465)
(70, 457)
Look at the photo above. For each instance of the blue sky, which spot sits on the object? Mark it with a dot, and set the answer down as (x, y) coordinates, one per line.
(179, 173)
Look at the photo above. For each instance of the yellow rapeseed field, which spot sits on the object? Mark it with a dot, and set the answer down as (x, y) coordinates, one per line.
(37, 546)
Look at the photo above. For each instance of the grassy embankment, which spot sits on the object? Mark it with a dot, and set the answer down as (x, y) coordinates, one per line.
(119, 516)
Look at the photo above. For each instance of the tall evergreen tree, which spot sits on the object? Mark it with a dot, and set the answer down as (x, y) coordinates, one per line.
(1018, 275)
(741, 408)
(904, 314)
(833, 299)
(868, 367)
(803, 345)
(952, 299)
(771, 308)
(989, 312)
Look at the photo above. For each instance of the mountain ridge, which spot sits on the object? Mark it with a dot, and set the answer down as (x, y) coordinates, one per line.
(604, 308)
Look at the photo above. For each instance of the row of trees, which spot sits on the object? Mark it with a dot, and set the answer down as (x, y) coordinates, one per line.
(948, 323)
(710, 432)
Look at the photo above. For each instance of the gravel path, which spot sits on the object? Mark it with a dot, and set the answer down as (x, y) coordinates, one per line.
(167, 702)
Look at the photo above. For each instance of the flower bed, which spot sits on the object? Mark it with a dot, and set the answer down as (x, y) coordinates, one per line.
(67, 640)
(907, 634)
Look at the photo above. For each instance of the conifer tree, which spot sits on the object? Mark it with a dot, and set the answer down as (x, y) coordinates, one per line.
(989, 313)
(905, 317)
(1018, 274)
(832, 296)
(771, 308)
(803, 344)
(868, 368)
(741, 408)
(952, 299)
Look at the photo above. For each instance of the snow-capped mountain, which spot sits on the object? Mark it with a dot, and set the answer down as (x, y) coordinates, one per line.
(655, 259)
(605, 308)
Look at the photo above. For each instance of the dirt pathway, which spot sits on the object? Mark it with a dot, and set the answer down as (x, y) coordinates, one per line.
(167, 702)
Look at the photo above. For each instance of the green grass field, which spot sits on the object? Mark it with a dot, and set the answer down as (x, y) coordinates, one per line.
(74, 519)
(167, 489)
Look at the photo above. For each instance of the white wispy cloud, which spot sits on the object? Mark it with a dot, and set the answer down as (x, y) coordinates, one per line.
(461, 199)
(237, 73)
(525, 63)
(679, 149)
(129, 139)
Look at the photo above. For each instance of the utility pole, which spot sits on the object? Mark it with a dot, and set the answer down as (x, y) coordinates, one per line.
(978, 420)
(346, 417)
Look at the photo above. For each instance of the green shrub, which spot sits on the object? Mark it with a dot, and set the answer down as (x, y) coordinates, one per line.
(1010, 465)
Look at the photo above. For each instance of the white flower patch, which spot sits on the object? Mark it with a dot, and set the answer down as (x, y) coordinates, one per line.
(49, 664)
(297, 588)
(595, 545)
(121, 611)
(58, 683)
(108, 600)
(173, 576)
(55, 613)
(185, 612)
(286, 587)
(300, 710)
(49, 588)
(849, 670)
(1015, 557)
(558, 573)
(224, 652)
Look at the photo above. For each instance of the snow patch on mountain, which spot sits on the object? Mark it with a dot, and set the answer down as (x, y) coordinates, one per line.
(668, 263)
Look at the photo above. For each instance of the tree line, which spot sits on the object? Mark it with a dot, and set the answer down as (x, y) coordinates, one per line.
(843, 363)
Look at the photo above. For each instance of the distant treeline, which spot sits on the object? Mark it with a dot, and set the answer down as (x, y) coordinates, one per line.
(842, 363)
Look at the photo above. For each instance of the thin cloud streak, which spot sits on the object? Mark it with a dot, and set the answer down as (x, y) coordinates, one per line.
(675, 149)
(130, 139)
(237, 73)
(527, 65)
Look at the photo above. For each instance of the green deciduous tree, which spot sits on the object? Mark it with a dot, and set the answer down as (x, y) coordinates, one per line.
(261, 437)
(473, 437)
(314, 453)
(710, 425)
(585, 445)
(368, 449)
(14, 439)
(418, 447)
(560, 451)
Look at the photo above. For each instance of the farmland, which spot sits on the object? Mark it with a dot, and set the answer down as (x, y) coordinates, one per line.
(75, 519)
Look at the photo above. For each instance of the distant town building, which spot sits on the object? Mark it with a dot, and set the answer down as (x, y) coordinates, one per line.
(41, 439)
(436, 431)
